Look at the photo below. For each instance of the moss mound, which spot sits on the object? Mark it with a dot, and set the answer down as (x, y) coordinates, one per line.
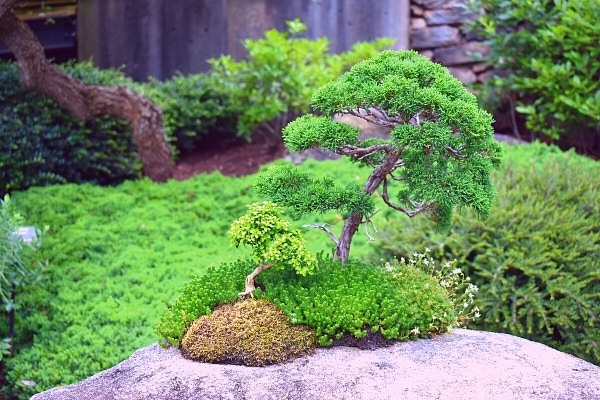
(252, 332)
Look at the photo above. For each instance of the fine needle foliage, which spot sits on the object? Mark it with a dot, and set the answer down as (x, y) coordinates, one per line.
(439, 156)
(273, 242)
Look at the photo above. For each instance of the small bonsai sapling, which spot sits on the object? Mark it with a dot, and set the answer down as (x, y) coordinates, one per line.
(439, 155)
(273, 242)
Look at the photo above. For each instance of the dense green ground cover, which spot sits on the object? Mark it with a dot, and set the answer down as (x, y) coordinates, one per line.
(117, 257)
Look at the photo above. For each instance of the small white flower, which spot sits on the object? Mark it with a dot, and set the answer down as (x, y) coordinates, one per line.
(456, 271)
(465, 304)
(477, 315)
(427, 250)
(473, 288)
(415, 330)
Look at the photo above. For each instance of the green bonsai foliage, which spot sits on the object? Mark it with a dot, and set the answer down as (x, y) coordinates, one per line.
(254, 333)
(439, 156)
(273, 242)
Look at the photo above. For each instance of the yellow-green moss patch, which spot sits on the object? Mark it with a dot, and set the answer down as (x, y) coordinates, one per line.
(251, 332)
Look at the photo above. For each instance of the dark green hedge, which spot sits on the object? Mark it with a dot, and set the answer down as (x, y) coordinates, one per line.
(41, 144)
(536, 259)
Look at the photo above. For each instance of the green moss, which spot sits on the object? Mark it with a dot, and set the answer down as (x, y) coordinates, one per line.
(252, 332)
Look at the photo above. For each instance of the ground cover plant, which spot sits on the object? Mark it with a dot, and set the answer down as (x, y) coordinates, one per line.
(536, 259)
(117, 257)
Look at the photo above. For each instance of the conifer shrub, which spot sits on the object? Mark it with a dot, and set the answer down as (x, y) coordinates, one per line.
(536, 258)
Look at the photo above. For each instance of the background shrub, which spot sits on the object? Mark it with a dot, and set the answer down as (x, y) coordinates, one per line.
(549, 61)
(41, 144)
(536, 259)
(282, 71)
(194, 111)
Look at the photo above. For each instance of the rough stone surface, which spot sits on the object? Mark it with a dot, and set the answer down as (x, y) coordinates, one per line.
(463, 74)
(431, 3)
(462, 365)
(437, 28)
(461, 54)
(451, 15)
(437, 36)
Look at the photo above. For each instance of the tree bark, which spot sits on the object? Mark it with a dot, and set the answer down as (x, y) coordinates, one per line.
(88, 101)
(351, 224)
(250, 284)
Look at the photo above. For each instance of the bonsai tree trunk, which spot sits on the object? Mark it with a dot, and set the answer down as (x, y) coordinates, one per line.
(86, 102)
(250, 280)
(376, 178)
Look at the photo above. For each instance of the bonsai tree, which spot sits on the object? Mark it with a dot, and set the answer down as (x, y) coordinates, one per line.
(439, 155)
(273, 242)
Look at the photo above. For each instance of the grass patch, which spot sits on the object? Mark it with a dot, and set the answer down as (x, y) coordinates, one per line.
(118, 257)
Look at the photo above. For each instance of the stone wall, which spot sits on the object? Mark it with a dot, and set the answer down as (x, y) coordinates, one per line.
(436, 31)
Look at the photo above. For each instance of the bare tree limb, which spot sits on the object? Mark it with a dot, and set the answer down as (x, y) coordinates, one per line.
(250, 280)
(376, 116)
(358, 152)
(418, 208)
(324, 229)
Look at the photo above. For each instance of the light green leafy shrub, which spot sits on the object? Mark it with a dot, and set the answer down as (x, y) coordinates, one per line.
(536, 257)
(549, 62)
(281, 73)
(194, 111)
(20, 269)
(272, 241)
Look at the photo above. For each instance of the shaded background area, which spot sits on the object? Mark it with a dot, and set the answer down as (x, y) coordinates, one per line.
(159, 38)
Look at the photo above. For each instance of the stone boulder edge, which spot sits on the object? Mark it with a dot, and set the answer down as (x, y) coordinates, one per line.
(464, 364)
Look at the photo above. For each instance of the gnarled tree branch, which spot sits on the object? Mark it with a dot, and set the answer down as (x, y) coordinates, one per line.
(87, 101)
